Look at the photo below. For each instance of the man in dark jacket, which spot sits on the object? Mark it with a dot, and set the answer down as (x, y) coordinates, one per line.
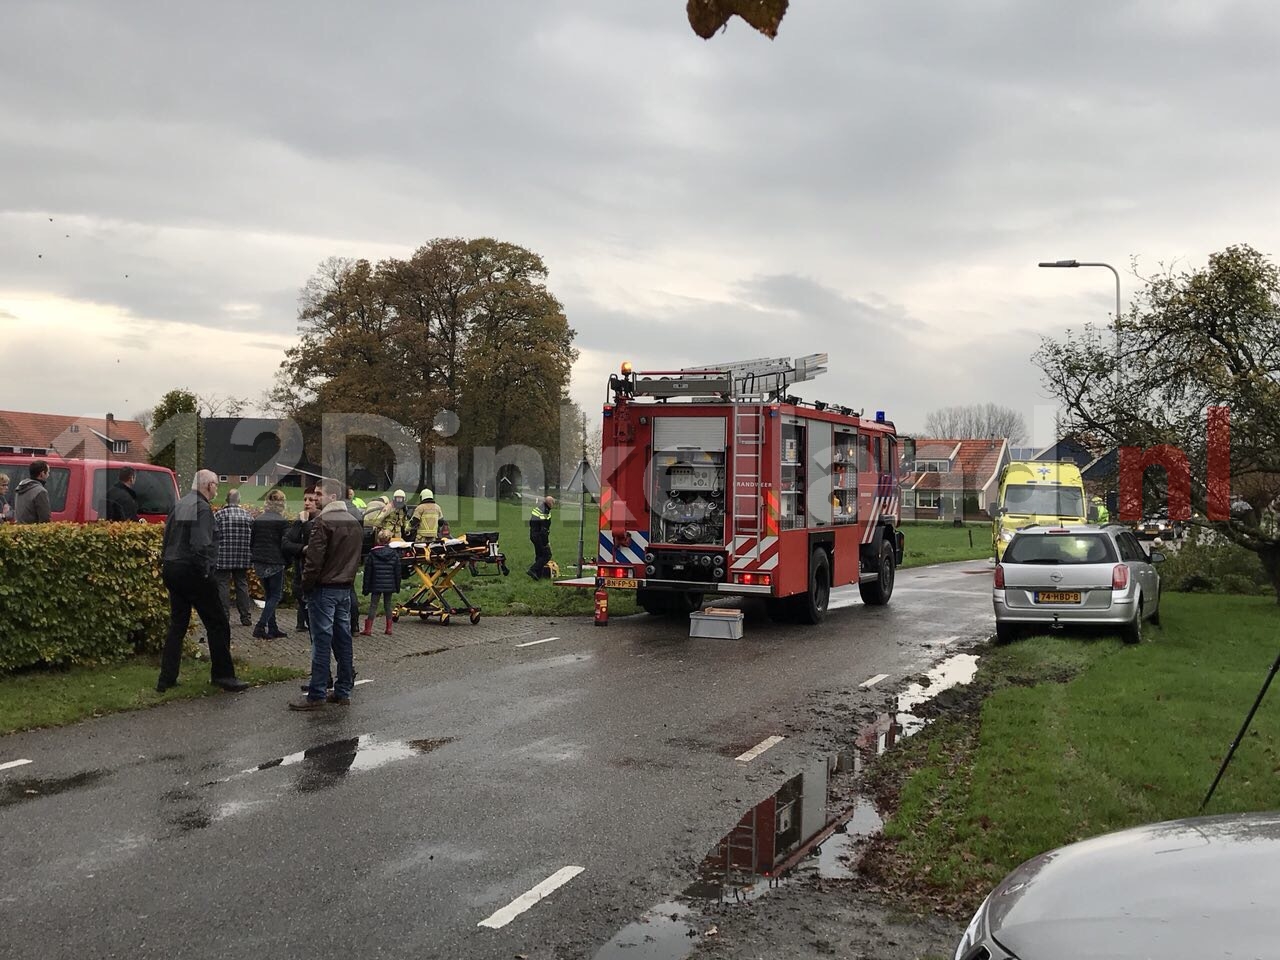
(122, 501)
(31, 499)
(332, 560)
(189, 560)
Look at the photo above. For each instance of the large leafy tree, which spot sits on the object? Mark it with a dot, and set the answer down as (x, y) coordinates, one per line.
(461, 325)
(1193, 339)
(177, 436)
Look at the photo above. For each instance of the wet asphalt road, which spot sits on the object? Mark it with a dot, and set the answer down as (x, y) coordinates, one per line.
(453, 785)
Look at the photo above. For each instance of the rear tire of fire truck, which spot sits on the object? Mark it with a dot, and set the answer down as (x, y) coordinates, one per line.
(878, 591)
(811, 606)
(652, 602)
(661, 603)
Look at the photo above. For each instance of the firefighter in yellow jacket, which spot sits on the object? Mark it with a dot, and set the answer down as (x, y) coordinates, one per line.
(395, 518)
(427, 522)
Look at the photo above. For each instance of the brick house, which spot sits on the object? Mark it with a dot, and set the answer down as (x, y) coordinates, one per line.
(960, 476)
(54, 435)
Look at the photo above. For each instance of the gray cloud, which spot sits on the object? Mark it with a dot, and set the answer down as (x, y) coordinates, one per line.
(885, 176)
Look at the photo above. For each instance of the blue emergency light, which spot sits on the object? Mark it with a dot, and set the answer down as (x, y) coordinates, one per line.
(879, 416)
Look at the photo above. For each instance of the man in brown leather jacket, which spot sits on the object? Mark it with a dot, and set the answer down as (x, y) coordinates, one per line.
(332, 559)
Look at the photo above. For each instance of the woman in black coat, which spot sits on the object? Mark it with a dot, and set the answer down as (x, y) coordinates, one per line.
(266, 551)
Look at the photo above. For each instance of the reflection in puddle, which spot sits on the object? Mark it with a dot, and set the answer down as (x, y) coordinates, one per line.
(808, 814)
(16, 791)
(661, 934)
(327, 763)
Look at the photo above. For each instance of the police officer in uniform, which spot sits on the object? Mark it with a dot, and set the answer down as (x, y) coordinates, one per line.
(540, 537)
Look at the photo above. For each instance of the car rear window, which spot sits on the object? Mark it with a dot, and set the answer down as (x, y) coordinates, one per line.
(1060, 548)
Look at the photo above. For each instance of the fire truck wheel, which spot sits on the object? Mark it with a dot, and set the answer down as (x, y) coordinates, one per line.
(811, 606)
(652, 602)
(877, 592)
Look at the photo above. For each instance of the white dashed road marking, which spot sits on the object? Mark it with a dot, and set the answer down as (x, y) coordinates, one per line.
(760, 748)
(13, 763)
(874, 680)
(534, 643)
(526, 900)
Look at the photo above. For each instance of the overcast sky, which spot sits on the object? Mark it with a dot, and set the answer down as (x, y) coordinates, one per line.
(877, 183)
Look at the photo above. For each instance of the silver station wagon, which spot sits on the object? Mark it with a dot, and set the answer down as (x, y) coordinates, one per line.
(1082, 575)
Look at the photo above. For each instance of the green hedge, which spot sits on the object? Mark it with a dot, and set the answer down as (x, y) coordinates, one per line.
(80, 593)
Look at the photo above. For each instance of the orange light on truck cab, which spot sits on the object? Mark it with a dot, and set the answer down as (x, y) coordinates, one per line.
(626, 368)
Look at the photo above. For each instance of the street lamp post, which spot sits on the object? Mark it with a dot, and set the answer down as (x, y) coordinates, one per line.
(1077, 263)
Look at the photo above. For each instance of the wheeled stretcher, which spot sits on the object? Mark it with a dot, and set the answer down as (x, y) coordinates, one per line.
(436, 564)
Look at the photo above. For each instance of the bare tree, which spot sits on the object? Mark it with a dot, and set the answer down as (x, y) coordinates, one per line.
(213, 405)
(977, 421)
(143, 418)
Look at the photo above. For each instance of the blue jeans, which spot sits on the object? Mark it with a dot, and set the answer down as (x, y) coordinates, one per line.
(272, 589)
(329, 609)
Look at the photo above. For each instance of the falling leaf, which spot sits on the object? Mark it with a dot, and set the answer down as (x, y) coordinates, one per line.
(708, 16)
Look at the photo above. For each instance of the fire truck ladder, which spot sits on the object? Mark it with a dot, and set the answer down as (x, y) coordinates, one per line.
(738, 850)
(768, 377)
(748, 502)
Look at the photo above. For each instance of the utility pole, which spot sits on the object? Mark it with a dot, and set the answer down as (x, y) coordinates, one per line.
(582, 492)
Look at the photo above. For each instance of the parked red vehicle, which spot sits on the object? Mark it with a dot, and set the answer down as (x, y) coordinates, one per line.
(78, 488)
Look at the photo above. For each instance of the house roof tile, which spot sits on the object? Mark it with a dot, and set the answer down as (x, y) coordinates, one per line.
(72, 436)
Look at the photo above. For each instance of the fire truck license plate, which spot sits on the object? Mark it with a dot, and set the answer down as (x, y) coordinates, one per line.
(623, 582)
(1052, 596)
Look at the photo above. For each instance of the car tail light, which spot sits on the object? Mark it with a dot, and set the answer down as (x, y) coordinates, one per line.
(613, 571)
(1119, 577)
(999, 576)
(754, 579)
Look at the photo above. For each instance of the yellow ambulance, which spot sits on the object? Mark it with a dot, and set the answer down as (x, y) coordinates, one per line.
(1039, 492)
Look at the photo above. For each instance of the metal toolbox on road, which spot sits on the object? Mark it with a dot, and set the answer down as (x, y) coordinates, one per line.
(716, 623)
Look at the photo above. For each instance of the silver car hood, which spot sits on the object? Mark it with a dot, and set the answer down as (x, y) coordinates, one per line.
(1180, 890)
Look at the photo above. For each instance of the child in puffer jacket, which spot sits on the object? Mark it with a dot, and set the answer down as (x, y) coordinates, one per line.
(381, 579)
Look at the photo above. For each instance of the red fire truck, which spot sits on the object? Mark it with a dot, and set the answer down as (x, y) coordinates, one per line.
(718, 481)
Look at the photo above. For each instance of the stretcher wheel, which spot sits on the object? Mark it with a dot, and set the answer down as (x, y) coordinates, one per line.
(475, 616)
(424, 617)
(395, 618)
(444, 619)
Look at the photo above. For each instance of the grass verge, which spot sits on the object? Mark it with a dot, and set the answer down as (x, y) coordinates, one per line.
(50, 698)
(938, 543)
(1062, 738)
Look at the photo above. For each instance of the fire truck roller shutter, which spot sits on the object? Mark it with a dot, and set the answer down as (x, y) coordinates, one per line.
(689, 433)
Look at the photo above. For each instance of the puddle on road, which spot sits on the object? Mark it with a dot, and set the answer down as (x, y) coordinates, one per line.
(18, 791)
(318, 768)
(951, 672)
(810, 827)
(662, 933)
(327, 763)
